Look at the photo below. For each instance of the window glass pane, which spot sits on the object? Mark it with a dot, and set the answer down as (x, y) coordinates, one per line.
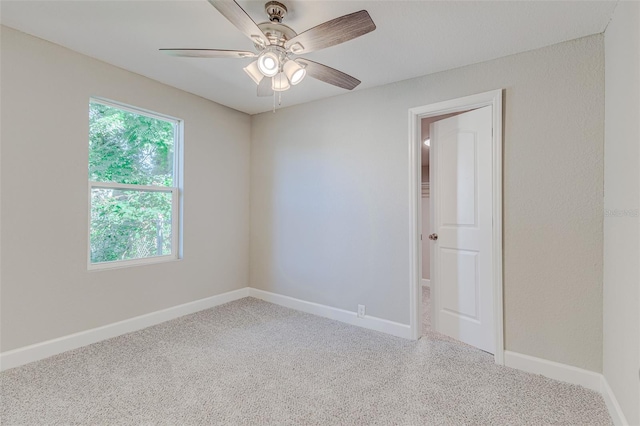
(129, 148)
(129, 224)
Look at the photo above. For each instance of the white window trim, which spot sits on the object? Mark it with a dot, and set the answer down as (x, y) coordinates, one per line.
(176, 195)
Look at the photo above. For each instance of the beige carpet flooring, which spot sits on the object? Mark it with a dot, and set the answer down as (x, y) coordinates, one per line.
(254, 363)
(426, 310)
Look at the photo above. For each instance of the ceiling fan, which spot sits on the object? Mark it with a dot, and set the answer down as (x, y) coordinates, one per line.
(276, 69)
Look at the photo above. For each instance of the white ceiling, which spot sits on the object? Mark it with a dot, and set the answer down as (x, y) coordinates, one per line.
(412, 38)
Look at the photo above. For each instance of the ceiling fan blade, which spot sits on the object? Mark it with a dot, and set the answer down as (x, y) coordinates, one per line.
(328, 74)
(241, 19)
(208, 53)
(332, 32)
(264, 88)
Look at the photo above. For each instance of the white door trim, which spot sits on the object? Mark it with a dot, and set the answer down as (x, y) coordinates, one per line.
(493, 99)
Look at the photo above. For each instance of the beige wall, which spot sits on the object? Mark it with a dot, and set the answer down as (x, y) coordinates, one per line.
(329, 209)
(426, 243)
(330, 203)
(621, 202)
(426, 213)
(424, 174)
(47, 291)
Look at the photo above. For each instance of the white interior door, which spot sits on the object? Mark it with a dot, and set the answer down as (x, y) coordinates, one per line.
(461, 217)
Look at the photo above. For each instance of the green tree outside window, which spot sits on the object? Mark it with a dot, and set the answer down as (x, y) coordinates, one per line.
(130, 149)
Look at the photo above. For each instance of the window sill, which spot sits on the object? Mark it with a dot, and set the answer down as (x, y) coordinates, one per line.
(118, 264)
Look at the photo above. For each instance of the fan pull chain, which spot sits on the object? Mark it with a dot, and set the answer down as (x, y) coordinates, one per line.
(274, 102)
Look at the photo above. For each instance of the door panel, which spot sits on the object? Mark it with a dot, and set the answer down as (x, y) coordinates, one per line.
(460, 266)
(462, 274)
(460, 180)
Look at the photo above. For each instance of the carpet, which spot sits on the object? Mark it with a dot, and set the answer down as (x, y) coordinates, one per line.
(250, 362)
(426, 310)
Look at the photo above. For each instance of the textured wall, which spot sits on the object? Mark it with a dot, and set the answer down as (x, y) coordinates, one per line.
(330, 209)
(621, 202)
(47, 291)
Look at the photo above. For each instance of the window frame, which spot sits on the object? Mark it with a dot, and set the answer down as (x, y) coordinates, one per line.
(175, 190)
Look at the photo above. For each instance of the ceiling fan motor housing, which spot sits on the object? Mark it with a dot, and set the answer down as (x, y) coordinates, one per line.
(274, 29)
(278, 34)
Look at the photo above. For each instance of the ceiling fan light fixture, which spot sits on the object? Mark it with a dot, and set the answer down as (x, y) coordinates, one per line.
(253, 71)
(268, 63)
(294, 72)
(280, 82)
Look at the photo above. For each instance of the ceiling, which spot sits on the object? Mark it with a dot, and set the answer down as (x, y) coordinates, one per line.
(412, 38)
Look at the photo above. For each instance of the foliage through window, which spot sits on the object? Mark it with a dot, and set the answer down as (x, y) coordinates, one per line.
(133, 185)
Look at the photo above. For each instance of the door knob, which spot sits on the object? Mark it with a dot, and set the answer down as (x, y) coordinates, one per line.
(433, 237)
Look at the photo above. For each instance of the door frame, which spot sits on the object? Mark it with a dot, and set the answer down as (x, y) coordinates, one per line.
(494, 99)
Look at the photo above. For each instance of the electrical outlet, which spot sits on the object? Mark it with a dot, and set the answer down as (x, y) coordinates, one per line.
(361, 311)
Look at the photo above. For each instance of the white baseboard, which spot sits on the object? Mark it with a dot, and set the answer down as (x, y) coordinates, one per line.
(569, 374)
(349, 317)
(38, 351)
(554, 370)
(617, 416)
(426, 283)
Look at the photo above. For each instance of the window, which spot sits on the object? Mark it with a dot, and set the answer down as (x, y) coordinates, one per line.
(134, 172)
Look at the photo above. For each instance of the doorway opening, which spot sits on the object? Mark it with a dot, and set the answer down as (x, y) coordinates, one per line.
(462, 200)
(425, 217)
